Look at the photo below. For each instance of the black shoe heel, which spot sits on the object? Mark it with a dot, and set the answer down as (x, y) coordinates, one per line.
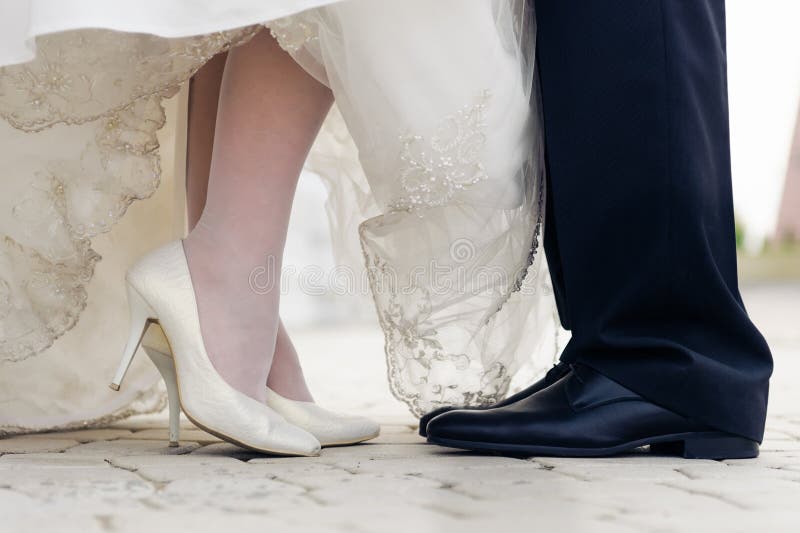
(715, 446)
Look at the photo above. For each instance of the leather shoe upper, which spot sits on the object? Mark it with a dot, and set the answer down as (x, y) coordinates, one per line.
(584, 409)
(558, 371)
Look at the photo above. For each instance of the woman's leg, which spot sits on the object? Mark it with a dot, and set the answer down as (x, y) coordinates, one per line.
(269, 113)
(286, 375)
(204, 90)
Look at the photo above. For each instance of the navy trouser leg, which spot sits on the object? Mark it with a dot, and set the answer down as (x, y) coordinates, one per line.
(641, 214)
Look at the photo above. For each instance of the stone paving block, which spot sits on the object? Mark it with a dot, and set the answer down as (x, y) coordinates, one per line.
(33, 444)
(408, 492)
(643, 502)
(631, 459)
(233, 494)
(454, 510)
(361, 456)
(772, 433)
(226, 449)
(479, 470)
(296, 468)
(61, 480)
(511, 484)
(91, 483)
(384, 451)
(541, 510)
(190, 460)
(431, 471)
(731, 521)
(759, 494)
(49, 461)
(486, 466)
(431, 510)
(739, 472)
(398, 435)
(168, 468)
(56, 468)
(784, 426)
(304, 518)
(13, 502)
(636, 466)
(342, 479)
(151, 421)
(137, 520)
(86, 435)
(780, 445)
(162, 434)
(123, 447)
(770, 459)
(586, 472)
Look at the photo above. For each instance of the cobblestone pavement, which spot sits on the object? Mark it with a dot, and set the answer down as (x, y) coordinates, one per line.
(125, 478)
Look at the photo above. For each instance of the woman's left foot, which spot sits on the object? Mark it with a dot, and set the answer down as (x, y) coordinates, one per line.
(288, 395)
(330, 429)
(286, 374)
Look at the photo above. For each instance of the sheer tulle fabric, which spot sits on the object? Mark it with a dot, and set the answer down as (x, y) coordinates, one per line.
(439, 108)
(437, 177)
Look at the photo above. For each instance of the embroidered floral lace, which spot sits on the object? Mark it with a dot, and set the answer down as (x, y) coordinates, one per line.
(437, 177)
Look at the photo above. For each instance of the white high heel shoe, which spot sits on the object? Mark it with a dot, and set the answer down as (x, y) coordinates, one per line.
(331, 429)
(160, 290)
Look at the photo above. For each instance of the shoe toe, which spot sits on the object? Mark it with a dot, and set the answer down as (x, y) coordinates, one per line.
(459, 425)
(358, 429)
(427, 417)
(369, 429)
(292, 440)
(339, 430)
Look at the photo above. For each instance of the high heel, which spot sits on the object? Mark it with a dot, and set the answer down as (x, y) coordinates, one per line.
(331, 429)
(155, 345)
(160, 291)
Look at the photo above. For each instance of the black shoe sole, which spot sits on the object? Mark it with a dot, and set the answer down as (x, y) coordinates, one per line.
(706, 445)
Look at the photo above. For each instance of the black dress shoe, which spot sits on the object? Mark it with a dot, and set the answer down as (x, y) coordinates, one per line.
(558, 371)
(585, 414)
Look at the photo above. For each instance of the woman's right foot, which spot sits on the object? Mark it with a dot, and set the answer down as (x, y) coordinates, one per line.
(160, 290)
(238, 321)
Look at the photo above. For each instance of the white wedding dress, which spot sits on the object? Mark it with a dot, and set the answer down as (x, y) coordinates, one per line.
(437, 177)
